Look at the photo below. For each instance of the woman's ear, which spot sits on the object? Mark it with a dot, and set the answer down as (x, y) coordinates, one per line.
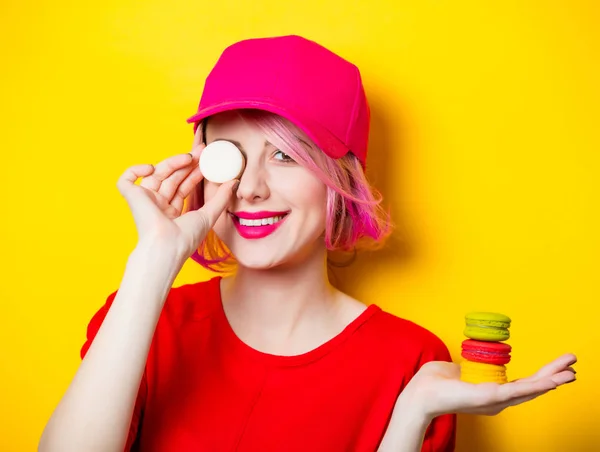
(198, 136)
(203, 125)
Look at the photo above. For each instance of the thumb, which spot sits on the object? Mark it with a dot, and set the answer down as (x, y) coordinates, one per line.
(217, 204)
(202, 220)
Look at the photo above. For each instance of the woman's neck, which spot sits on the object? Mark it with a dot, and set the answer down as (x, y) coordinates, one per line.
(282, 304)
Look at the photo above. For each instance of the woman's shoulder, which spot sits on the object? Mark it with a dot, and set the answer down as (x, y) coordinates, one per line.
(187, 302)
(400, 335)
(193, 301)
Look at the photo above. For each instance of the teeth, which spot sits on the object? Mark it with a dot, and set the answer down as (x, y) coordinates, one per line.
(261, 222)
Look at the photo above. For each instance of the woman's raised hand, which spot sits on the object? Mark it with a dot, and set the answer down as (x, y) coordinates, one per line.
(157, 203)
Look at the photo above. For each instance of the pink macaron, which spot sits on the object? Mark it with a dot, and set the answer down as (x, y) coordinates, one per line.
(486, 352)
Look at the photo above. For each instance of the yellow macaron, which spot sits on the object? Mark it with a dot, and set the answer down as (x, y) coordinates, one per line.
(474, 372)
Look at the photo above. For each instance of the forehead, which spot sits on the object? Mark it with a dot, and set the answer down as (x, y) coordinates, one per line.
(240, 128)
(229, 123)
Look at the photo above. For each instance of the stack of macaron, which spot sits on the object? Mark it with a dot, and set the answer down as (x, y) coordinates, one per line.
(485, 353)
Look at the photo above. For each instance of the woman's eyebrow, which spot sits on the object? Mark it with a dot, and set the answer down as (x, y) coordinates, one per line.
(303, 142)
(238, 144)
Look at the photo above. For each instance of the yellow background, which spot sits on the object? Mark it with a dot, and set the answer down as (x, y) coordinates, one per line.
(484, 142)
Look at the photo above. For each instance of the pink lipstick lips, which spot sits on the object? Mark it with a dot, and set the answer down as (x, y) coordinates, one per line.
(257, 225)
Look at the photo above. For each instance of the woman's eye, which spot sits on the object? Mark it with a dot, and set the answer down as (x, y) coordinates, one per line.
(283, 157)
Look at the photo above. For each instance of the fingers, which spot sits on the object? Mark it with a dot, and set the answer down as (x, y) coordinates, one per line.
(126, 182)
(558, 365)
(522, 388)
(192, 179)
(195, 175)
(497, 408)
(527, 387)
(492, 398)
(535, 395)
(178, 184)
(186, 187)
(164, 170)
(566, 376)
(173, 179)
(171, 186)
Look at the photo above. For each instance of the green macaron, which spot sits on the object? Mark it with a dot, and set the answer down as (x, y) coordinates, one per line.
(487, 326)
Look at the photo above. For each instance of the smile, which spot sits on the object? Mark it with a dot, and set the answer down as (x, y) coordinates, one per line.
(257, 225)
(261, 222)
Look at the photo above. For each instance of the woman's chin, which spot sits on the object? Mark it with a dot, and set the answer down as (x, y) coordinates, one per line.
(270, 254)
(257, 262)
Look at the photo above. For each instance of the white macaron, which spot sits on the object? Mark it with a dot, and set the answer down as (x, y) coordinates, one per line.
(221, 161)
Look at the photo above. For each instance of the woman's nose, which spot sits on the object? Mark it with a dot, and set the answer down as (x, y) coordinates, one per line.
(253, 183)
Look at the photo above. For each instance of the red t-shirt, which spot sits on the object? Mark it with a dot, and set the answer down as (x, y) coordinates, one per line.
(204, 389)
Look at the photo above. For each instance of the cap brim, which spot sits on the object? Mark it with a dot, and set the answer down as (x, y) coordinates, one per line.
(320, 135)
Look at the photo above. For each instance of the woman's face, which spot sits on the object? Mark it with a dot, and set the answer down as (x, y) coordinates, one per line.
(278, 214)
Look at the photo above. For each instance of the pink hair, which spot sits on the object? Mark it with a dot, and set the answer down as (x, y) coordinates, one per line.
(355, 218)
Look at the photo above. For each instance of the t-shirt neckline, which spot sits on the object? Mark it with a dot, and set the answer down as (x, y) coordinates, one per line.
(286, 360)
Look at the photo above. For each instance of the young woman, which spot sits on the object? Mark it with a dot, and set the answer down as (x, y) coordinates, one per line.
(270, 357)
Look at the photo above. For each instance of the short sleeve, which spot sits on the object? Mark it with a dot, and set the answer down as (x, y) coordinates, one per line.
(441, 433)
(92, 330)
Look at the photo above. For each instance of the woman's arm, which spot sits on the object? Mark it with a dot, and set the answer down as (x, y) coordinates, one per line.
(96, 410)
(406, 429)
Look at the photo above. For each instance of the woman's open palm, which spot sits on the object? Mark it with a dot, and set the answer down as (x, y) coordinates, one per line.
(437, 384)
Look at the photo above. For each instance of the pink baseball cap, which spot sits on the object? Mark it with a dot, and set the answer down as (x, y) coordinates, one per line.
(298, 79)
